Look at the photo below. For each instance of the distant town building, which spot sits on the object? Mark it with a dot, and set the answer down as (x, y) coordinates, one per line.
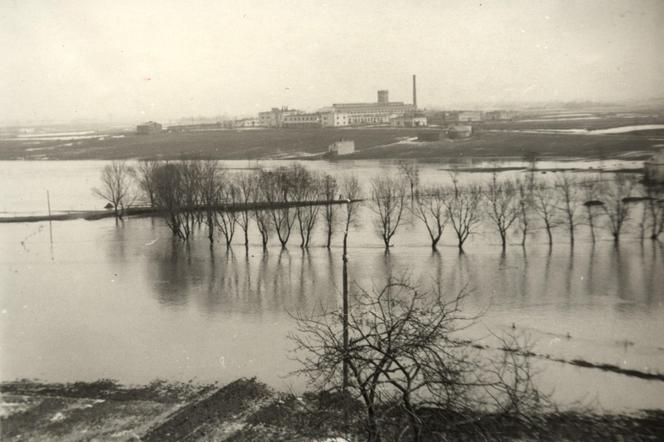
(302, 120)
(654, 168)
(330, 118)
(416, 119)
(499, 115)
(459, 131)
(467, 116)
(342, 147)
(275, 116)
(246, 122)
(195, 127)
(382, 107)
(151, 127)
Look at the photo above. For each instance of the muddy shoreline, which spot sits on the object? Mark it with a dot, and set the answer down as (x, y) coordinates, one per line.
(247, 410)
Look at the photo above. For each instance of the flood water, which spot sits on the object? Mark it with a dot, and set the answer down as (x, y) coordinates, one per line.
(84, 300)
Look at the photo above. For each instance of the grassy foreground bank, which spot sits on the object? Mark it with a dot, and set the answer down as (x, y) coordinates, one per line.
(247, 410)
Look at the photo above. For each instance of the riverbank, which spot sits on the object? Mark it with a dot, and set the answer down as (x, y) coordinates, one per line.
(247, 410)
(487, 143)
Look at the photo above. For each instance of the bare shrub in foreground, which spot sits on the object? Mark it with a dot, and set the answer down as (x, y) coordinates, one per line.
(406, 362)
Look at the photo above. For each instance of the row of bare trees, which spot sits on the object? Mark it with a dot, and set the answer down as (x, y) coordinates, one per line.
(193, 193)
(522, 205)
(190, 194)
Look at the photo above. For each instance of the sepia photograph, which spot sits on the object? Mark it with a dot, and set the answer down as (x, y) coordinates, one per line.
(335, 221)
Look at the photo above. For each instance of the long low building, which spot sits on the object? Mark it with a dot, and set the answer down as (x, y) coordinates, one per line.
(302, 120)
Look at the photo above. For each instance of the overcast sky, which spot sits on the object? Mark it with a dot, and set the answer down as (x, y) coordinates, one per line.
(139, 60)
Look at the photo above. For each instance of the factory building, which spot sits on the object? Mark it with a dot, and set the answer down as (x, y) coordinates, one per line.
(302, 120)
(275, 116)
(414, 119)
(329, 118)
(349, 114)
(246, 122)
(151, 127)
(467, 116)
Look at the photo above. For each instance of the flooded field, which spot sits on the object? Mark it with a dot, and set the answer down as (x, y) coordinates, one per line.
(128, 302)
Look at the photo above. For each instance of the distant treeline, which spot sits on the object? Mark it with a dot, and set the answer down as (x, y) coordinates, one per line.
(200, 193)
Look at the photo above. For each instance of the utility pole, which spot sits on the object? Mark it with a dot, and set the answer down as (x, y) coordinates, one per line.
(345, 314)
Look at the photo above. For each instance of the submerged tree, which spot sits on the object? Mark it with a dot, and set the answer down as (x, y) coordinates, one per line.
(116, 186)
(277, 189)
(411, 174)
(329, 189)
(616, 203)
(655, 193)
(430, 209)
(503, 207)
(525, 202)
(463, 204)
(387, 202)
(210, 193)
(246, 186)
(591, 193)
(169, 197)
(144, 176)
(568, 189)
(307, 188)
(545, 204)
(227, 217)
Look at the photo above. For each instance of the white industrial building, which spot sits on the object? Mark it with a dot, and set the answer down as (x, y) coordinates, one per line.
(342, 147)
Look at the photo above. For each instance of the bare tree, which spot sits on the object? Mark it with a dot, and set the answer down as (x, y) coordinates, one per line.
(591, 193)
(568, 190)
(403, 359)
(430, 209)
(387, 196)
(503, 206)
(144, 175)
(190, 185)
(463, 204)
(329, 193)
(616, 203)
(227, 219)
(169, 197)
(115, 186)
(210, 189)
(411, 173)
(246, 184)
(308, 188)
(263, 220)
(525, 201)
(277, 189)
(545, 205)
(655, 193)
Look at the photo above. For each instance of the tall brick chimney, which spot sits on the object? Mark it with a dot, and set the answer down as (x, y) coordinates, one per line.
(414, 91)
